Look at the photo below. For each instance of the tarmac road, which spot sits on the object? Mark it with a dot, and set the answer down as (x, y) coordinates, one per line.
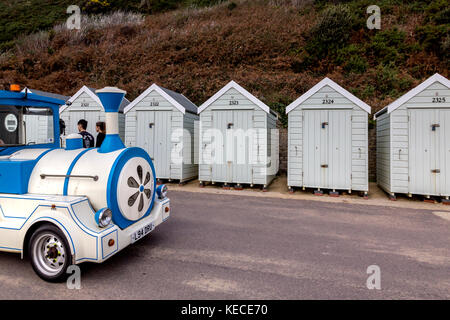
(237, 247)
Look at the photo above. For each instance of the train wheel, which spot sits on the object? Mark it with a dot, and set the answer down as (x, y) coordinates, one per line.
(49, 253)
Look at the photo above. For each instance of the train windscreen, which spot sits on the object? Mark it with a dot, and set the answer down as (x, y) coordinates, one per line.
(25, 126)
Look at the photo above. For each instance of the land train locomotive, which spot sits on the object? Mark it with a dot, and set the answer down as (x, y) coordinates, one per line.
(65, 206)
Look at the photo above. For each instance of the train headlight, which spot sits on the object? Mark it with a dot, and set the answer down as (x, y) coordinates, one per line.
(162, 191)
(103, 217)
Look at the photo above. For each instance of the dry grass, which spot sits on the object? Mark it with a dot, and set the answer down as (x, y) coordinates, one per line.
(90, 24)
(292, 3)
(36, 43)
(102, 21)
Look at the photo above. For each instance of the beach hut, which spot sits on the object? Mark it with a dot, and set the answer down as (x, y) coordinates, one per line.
(86, 105)
(328, 140)
(413, 141)
(238, 140)
(162, 122)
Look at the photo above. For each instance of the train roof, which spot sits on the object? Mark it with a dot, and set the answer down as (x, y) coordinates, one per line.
(13, 98)
(47, 94)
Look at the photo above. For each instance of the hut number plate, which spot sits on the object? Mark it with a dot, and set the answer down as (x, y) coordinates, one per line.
(138, 235)
(327, 101)
(439, 100)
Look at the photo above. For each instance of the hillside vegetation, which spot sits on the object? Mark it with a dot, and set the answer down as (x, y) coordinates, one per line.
(22, 17)
(277, 49)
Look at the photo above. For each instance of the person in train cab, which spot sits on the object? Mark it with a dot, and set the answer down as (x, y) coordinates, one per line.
(88, 139)
(62, 127)
(100, 127)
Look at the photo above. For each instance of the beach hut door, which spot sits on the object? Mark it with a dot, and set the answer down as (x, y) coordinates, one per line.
(423, 152)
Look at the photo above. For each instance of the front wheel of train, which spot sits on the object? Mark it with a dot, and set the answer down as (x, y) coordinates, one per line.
(49, 253)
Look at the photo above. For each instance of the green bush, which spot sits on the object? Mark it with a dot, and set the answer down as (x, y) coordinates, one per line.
(442, 17)
(232, 5)
(331, 32)
(389, 83)
(433, 37)
(19, 18)
(385, 79)
(279, 106)
(388, 46)
(438, 12)
(356, 64)
(352, 59)
(445, 45)
(143, 6)
(369, 91)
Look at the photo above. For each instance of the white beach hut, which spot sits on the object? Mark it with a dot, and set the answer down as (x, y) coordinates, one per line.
(413, 141)
(162, 122)
(238, 141)
(328, 140)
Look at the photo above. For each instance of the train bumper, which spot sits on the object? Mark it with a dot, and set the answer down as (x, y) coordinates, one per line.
(115, 239)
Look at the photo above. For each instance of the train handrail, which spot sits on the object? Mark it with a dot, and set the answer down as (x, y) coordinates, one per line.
(43, 176)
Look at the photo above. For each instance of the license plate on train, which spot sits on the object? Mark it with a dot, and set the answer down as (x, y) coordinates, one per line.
(138, 235)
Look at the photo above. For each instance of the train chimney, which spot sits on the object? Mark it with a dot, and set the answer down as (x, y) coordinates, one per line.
(111, 98)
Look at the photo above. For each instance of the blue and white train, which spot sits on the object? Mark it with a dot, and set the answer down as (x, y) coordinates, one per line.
(67, 206)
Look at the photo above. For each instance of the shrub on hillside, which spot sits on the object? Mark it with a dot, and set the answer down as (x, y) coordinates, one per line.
(331, 32)
(144, 6)
(388, 46)
(433, 37)
(389, 83)
(352, 58)
(446, 45)
(279, 106)
(438, 12)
